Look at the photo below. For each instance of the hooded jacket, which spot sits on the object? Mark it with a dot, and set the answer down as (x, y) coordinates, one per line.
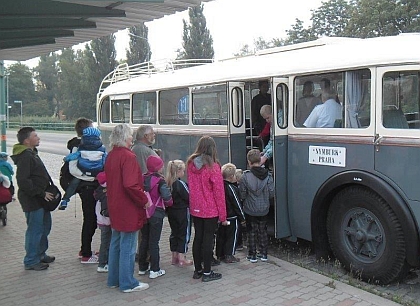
(31, 176)
(207, 193)
(256, 188)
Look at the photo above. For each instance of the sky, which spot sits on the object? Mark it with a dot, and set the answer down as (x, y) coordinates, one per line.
(232, 24)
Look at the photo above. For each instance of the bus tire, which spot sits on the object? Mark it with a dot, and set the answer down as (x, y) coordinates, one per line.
(366, 236)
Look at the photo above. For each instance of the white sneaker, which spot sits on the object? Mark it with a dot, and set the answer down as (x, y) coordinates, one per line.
(153, 274)
(102, 269)
(143, 272)
(140, 287)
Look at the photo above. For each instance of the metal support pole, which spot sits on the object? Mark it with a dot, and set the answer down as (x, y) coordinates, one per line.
(2, 107)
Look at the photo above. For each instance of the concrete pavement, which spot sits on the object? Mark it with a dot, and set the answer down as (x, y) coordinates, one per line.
(67, 282)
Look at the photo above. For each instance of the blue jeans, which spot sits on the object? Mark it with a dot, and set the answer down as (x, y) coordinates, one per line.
(36, 237)
(122, 252)
(106, 234)
(150, 236)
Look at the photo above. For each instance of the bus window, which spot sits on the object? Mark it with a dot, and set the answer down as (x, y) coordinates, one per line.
(350, 92)
(400, 102)
(237, 107)
(144, 108)
(120, 111)
(174, 106)
(104, 111)
(209, 105)
(282, 98)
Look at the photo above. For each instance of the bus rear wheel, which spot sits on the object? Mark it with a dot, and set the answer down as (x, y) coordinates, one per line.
(366, 236)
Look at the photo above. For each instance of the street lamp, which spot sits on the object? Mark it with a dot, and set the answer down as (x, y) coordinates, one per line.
(147, 44)
(21, 112)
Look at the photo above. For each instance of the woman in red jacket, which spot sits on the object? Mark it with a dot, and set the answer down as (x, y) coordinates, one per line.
(126, 206)
(207, 204)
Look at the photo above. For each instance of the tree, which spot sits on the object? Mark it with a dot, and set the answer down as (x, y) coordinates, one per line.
(139, 48)
(197, 41)
(46, 75)
(330, 19)
(298, 33)
(21, 88)
(386, 17)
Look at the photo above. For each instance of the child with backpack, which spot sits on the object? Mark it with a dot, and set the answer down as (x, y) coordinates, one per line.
(256, 188)
(160, 196)
(90, 158)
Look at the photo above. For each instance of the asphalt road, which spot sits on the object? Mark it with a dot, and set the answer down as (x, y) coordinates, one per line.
(51, 142)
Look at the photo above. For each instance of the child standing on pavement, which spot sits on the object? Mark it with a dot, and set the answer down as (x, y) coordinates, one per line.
(104, 224)
(179, 213)
(227, 235)
(256, 188)
(161, 197)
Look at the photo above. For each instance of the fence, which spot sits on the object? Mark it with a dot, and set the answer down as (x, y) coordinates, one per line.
(54, 126)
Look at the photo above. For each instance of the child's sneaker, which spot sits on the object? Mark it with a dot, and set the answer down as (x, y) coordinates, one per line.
(264, 257)
(90, 260)
(211, 277)
(252, 258)
(156, 274)
(103, 269)
(63, 205)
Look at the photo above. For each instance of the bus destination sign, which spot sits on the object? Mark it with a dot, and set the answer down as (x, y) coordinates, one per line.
(327, 156)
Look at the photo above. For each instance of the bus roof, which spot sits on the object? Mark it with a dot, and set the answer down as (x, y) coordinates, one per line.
(325, 54)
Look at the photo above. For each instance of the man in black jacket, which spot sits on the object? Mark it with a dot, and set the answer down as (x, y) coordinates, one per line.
(85, 191)
(32, 179)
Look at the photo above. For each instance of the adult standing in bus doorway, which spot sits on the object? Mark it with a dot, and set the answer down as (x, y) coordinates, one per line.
(85, 191)
(263, 98)
(32, 179)
(142, 147)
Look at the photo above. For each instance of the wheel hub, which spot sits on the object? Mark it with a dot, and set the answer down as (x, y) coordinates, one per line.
(363, 235)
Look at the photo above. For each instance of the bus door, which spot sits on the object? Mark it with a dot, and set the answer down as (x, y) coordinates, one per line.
(280, 141)
(397, 144)
(236, 125)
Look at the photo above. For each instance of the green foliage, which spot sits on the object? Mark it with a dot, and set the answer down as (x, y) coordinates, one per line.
(21, 87)
(139, 48)
(42, 123)
(353, 18)
(197, 41)
(46, 75)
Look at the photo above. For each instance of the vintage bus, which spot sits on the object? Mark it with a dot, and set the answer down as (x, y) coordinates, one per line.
(353, 188)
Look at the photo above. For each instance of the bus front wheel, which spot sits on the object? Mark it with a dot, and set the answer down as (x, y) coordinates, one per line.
(366, 236)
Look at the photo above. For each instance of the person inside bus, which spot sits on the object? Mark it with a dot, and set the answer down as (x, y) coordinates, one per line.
(326, 114)
(306, 103)
(263, 98)
(267, 113)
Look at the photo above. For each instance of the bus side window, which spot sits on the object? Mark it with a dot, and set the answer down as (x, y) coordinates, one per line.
(144, 108)
(400, 100)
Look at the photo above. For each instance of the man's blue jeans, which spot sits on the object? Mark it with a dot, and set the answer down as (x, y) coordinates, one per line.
(36, 237)
(122, 252)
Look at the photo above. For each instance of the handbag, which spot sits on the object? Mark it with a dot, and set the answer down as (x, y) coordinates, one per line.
(52, 204)
(5, 195)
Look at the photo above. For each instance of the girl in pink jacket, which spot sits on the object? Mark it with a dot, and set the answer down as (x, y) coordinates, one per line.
(207, 204)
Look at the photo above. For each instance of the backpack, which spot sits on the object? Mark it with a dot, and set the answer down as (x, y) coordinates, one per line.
(65, 176)
(152, 208)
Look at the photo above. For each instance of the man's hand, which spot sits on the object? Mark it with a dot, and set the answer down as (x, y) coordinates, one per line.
(48, 196)
(263, 160)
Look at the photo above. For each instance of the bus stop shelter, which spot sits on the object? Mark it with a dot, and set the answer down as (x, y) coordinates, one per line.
(31, 28)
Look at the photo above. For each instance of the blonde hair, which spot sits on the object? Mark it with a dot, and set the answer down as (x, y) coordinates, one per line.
(228, 170)
(172, 169)
(239, 173)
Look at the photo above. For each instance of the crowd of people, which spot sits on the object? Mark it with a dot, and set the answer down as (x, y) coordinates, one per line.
(126, 193)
